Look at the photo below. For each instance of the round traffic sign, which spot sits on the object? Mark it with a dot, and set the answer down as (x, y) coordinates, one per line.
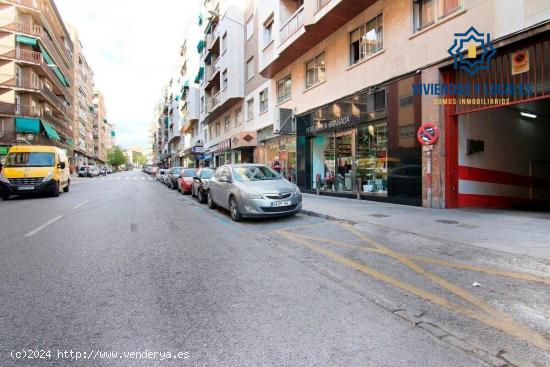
(427, 133)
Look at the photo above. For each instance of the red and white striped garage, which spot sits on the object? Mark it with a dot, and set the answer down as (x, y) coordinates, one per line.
(498, 156)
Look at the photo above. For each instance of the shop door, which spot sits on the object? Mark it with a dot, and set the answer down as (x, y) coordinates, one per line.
(344, 161)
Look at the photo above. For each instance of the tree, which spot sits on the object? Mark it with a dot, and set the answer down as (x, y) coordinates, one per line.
(116, 157)
(141, 159)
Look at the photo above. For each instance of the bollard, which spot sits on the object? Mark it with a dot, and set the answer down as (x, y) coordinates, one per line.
(358, 186)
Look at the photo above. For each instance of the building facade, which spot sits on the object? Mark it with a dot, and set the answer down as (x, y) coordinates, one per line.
(36, 76)
(101, 126)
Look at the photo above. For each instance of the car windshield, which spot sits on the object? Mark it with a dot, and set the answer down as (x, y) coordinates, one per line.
(207, 173)
(255, 173)
(189, 173)
(176, 170)
(26, 159)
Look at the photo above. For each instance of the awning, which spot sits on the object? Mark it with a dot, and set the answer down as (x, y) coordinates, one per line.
(26, 40)
(105, 121)
(27, 125)
(70, 142)
(200, 19)
(4, 150)
(50, 131)
(91, 108)
(208, 57)
(186, 84)
(113, 133)
(199, 75)
(55, 68)
(200, 46)
(166, 121)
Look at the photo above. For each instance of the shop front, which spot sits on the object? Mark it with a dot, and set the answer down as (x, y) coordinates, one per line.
(221, 153)
(278, 152)
(243, 145)
(364, 144)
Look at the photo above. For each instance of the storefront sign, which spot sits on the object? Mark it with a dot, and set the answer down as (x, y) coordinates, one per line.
(197, 149)
(427, 133)
(221, 146)
(244, 139)
(520, 61)
(327, 125)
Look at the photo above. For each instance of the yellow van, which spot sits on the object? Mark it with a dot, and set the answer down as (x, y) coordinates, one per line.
(34, 169)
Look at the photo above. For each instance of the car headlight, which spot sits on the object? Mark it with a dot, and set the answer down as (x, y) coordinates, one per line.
(251, 195)
(3, 178)
(48, 177)
(296, 191)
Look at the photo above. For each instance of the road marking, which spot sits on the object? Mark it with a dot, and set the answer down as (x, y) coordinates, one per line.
(51, 221)
(492, 317)
(79, 205)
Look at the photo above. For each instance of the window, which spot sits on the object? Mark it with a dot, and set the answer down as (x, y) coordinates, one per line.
(250, 28)
(250, 68)
(202, 104)
(264, 101)
(2, 128)
(250, 108)
(315, 70)
(227, 123)
(224, 42)
(218, 129)
(17, 104)
(268, 31)
(18, 76)
(428, 12)
(283, 89)
(224, 79)
(238, 117)
(366, 40)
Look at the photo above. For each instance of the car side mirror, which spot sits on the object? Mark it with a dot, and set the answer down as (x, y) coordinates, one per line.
(223, 179)
(61, 165)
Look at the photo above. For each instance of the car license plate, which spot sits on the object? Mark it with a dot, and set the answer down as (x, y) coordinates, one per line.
(281, 203)
(25, 188)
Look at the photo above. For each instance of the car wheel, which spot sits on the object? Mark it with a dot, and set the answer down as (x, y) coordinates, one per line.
(234, 210)
(210, 201)
(66, 188)
(202, 197)
(55, 189)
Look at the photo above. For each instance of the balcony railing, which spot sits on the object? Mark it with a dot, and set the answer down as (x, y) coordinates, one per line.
(55, 100)
(292, 25)
(59, 124)
(21, 82)
(20, 110)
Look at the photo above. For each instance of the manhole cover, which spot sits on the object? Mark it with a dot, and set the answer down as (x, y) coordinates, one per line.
(379, 215)
(446, 221)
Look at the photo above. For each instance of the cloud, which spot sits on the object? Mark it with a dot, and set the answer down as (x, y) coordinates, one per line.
(133, 48)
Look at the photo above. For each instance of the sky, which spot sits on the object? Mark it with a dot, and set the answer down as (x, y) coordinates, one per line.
(133, 48)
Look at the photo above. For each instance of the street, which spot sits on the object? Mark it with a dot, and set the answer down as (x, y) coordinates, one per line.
(121, 263)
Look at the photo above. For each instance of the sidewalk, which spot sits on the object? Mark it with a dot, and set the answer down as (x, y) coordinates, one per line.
(516, 232)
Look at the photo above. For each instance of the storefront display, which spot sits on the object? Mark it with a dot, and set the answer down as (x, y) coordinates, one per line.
(361, 144)
(278, 152)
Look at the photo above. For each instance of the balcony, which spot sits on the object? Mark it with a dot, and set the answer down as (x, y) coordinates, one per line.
(19, 110)
(59, 124)
(294, 43)
(212, 76)
(292, 25)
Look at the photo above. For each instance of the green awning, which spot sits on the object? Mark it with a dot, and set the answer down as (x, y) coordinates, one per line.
(26, 40)
(27, 125)
(200, 19)
(186, 84)
(55, 69)
(50, 131)
(113, 133)
(166, 121)
(91, 108)
(177, 98)
(105, 121)
(4, 150)
(70, 142)
(200, 46)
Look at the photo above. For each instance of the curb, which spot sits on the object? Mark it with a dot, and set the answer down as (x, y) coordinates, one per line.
(327, 217)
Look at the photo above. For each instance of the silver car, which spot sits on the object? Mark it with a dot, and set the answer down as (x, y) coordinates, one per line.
(253, 190)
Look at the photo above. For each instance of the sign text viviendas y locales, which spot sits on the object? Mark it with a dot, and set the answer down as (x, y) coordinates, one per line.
(473, 90)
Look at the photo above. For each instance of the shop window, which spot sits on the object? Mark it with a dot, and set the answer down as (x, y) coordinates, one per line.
(250, 109)
(371, 157)
(264, 100)
(315, 70)
(284, 89)
(366, 40)
(238, 117)
(428, 12)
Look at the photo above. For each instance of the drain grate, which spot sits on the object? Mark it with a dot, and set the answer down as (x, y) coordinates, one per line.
(446, 221)
(378, 215)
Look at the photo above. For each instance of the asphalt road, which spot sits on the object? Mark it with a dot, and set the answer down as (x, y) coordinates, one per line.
(123, 264)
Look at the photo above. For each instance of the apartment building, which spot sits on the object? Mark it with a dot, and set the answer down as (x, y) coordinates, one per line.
(83, 104)
(36, 75)
(100, 129)
(221, 79)
(351, 74)
(191, 149)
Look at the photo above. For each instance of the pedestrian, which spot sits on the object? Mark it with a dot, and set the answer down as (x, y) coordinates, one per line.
(276, 165)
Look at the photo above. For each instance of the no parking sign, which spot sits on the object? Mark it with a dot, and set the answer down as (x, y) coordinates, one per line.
(427, 133)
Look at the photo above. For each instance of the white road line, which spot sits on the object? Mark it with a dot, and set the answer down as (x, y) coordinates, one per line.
(136, 178)
(79, 205)
(51, 221)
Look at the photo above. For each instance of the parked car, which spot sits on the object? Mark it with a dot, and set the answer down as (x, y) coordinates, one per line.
(200, 183)
(160, 174)
(172, 177)
(83, 171)
(405, 181)
(165, 176)
(103, 170)
(93, 172)
(185, 180)
(253, 190)
(110, 170)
